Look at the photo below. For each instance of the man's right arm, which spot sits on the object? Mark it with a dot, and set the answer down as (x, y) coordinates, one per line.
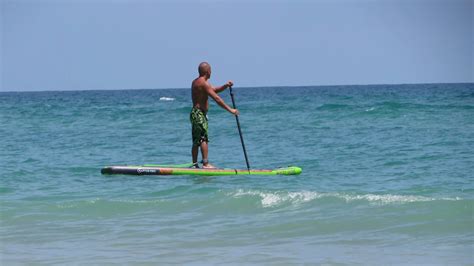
(210, 91)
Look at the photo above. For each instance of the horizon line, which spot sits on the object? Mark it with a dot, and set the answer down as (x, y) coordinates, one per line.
(246, 87)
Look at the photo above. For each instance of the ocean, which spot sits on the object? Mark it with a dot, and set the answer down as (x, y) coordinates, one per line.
(387, 178)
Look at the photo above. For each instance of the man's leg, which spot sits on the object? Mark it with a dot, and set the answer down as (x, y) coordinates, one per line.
(194, 152)
(204, 153)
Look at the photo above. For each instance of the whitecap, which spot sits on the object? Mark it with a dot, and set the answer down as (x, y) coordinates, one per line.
(387, 198)
(166, 99)
(272, 199)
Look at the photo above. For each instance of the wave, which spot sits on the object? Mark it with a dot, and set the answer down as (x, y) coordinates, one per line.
(273, 199)
(333, 106)
(257, 198)
(270, 199)
(167, 99)
(100, 201)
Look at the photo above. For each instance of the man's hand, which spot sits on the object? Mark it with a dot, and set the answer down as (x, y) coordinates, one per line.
(229, 84)
(223, 87)
(235, 111)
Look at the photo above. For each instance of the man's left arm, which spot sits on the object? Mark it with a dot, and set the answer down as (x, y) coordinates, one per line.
(223, 87)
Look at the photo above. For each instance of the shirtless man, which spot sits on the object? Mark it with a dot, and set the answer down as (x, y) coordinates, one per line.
(201, 91)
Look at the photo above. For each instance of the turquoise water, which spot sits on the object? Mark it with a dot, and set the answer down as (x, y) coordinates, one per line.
(387, 177)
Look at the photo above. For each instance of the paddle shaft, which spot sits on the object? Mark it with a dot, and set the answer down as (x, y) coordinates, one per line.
(240, 131)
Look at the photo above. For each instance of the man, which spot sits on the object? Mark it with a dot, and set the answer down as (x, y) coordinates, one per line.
(201, 91)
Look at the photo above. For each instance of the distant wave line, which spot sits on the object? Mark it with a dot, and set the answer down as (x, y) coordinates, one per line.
(167, 99)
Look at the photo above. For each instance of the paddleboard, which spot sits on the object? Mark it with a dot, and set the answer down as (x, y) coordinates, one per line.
(151, 169)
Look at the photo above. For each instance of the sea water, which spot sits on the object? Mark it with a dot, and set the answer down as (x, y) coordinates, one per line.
(387, 177)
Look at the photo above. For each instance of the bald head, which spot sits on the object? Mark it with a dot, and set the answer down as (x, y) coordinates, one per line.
(204, 69)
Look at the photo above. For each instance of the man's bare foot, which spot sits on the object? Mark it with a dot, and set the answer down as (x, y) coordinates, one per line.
(208, 166)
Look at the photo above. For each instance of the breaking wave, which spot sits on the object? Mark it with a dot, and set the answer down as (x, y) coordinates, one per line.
(167, 99)
(273, 199)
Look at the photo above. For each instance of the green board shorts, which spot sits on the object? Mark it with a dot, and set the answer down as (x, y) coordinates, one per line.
(199, 126)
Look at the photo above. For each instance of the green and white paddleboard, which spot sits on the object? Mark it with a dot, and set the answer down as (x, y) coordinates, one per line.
(185, 169)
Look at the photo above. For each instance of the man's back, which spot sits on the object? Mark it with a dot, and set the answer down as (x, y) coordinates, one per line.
(199, 94)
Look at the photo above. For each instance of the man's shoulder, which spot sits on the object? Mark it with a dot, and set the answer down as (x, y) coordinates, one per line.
(200, 82)
(197, 80)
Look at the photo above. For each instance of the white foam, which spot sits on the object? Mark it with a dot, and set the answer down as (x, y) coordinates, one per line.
(166, 99)
(386, 198)
(272, 199)
(389, 198)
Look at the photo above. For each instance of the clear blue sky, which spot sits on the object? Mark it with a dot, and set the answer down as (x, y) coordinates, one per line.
(118, 44)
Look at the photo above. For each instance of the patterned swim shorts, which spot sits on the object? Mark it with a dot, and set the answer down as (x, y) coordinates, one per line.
(199, 126)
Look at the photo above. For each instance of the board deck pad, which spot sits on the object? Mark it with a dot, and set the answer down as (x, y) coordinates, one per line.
(155, 169)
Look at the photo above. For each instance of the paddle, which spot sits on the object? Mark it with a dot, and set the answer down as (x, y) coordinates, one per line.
(240, 131)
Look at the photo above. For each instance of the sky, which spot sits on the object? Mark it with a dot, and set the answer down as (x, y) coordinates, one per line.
(119, 44)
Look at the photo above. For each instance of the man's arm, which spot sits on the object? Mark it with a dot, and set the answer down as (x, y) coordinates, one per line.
(212, 93)
(223, 87)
